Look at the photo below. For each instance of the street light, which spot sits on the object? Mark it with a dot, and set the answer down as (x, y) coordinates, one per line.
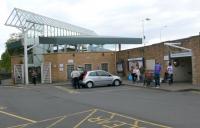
(163, 27)
(143, 36)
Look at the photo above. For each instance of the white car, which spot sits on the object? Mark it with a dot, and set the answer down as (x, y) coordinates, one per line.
(99, 78)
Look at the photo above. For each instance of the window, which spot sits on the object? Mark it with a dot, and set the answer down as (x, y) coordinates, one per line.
(104, 66)
(103, 73)
(70, 68)
(93, 74)
(88, 67)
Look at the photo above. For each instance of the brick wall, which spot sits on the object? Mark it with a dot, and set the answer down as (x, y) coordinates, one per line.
(155, 51)
(79, 59)
(158, 51)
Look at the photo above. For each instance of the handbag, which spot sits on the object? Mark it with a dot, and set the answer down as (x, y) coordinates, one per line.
(130, 77)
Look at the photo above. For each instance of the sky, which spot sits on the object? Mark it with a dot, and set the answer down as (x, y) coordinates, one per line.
(169, 19)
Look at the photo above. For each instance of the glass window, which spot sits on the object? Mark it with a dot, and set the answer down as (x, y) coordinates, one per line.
(102, 73)
(93, 74)
(88, 67)
(104, 66)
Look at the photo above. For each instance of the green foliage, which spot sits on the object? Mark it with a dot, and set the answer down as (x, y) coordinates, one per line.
(5, 63)
(13, 47)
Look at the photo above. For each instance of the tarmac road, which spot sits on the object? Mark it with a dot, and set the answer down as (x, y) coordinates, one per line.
(102, 107)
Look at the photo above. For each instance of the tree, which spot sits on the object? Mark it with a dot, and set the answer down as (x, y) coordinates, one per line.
(13, 47)
(5, 63)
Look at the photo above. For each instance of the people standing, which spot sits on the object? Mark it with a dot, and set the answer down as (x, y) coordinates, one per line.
(34, 76)
(138, 73)
(170, 73)
(134, 74)
(75, 79)
(157, 70)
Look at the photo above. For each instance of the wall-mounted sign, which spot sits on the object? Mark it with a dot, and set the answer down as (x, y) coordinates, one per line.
(120, 67)
(136, 59)
(61, 65)
(166, 57)
(70, 61)
(181, 54)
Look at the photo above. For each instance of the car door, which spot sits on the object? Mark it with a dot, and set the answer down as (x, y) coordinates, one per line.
(93, 76)
(105, 77)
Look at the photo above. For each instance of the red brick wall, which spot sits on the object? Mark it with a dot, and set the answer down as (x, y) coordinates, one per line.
(80, 59)
(158, 51)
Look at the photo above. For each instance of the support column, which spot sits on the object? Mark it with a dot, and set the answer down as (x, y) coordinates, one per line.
(25, 57)
(119, 47)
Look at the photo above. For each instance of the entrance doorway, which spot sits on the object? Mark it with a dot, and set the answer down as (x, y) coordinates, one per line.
(182, 69)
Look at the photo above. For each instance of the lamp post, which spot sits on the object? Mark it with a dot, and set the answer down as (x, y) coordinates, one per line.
(143, 35)
(161, 31)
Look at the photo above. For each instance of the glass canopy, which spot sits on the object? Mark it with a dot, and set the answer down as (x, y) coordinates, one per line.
(41, 25)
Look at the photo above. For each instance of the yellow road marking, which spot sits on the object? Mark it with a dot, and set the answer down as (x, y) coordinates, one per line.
(20, 126)
(128, 117)
(19, 117)
(60, 118)
(67, 89)
(58, 121)
(69, 115)
(100, 121)
(136, 123)
(50, 119)
(76, 126)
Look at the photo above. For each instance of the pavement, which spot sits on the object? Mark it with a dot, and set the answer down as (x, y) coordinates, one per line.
(175, 87)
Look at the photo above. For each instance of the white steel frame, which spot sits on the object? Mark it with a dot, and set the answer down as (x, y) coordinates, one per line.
(34, 25)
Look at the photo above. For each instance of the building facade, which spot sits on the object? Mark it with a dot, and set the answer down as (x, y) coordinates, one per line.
(186, 63)
(64, 63)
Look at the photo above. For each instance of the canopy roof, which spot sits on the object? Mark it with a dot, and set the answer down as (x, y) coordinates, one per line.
(89, 40)
(25, 20)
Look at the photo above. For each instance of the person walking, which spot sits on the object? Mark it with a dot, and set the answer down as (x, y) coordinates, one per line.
(157, 70)
(75, 79)
(34, 76)
(170, 73)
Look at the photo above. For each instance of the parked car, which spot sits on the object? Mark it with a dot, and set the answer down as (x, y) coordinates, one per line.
(99, 78)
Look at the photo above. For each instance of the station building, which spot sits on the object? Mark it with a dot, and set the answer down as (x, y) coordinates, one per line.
(185, 62)
(185, 58)
(54, 61)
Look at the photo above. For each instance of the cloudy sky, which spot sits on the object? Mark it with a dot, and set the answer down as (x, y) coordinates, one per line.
(114, 17)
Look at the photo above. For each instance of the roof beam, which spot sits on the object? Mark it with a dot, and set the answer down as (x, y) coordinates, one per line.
(89, 40)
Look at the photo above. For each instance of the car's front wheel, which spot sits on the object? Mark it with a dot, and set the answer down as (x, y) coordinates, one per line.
(89, 84)
(116, 83)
